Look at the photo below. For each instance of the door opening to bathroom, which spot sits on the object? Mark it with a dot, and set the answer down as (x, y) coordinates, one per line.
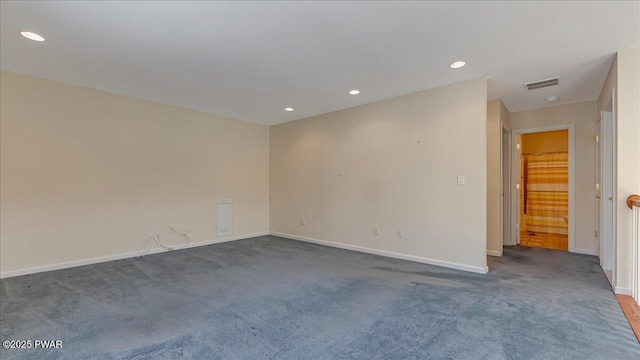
(544, 190)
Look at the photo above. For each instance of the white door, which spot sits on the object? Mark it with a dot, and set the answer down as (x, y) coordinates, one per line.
(598, 184)
(506, 189)
(606, 191)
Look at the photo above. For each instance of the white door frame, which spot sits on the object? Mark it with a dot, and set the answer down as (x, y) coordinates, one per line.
(598, 189)
(608, 134)
(607, 191)
(505, 187)
(515, 179)
(614, 121)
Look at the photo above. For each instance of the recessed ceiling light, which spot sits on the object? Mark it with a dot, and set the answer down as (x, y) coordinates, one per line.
(288, 109)
(32, 36)
(354, 92)
(552, 98)
(457, 64)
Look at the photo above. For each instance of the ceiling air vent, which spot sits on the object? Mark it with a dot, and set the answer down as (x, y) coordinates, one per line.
(542, 83)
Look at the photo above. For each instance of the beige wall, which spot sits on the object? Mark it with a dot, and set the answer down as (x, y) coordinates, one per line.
(505, 117)
(391, 164)
(610, 83)
(625, 78)
(549, 141)
(82, 171)
(584, 116)
(497, 116)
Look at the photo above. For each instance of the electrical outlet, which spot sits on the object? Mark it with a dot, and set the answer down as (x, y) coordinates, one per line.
(376, 230)
(400, 233)
(303, 221)
(144, 231)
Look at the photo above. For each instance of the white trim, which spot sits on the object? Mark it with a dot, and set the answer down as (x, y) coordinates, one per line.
(572, 179)
(572, 189)
(447, 264)
(622, 290)
(494, 253)
(101, 259)
(614, 124)
(505, 188)
(599, 165)
(605, 127)
(502, 186)
(584, 251)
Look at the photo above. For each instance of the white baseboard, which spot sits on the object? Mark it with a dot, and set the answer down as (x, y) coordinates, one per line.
(622, 290)
(494, 253)
(70, 264)
(447, 264)
(583, 251)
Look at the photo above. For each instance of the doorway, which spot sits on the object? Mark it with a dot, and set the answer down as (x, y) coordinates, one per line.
(605, 191)
(543, 195)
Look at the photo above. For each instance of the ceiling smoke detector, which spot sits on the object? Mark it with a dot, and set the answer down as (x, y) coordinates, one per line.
(541, 84)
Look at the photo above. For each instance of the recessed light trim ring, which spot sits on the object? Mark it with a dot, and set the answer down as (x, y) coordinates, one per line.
(32, 36)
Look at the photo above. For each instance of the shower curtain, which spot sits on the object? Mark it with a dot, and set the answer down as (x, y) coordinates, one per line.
(547, 192)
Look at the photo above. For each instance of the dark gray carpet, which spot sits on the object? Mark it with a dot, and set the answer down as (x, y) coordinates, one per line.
(272, 298)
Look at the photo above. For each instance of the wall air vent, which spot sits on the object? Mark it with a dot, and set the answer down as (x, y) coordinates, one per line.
(542, 83)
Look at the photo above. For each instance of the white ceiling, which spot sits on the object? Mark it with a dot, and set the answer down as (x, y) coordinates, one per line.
(249, 60)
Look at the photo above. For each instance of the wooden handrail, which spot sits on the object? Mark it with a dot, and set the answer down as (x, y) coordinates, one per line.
(633, 200)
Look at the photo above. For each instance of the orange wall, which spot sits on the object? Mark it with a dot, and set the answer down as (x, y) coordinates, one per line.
(551, 141)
